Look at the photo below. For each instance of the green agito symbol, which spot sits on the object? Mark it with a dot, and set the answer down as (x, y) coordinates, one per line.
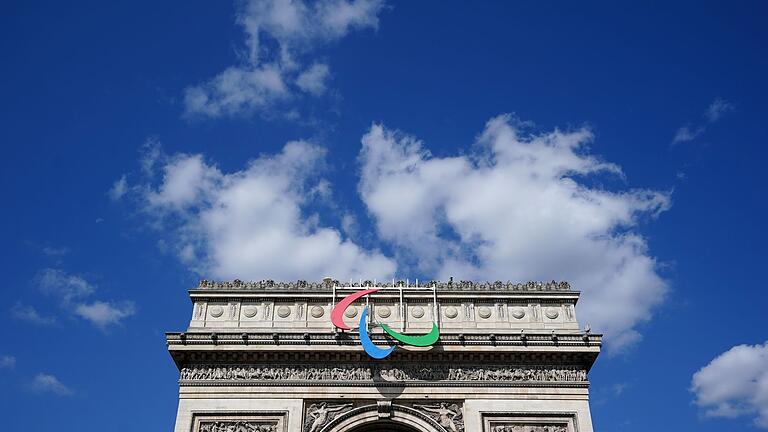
(370, 348)
(419, 341)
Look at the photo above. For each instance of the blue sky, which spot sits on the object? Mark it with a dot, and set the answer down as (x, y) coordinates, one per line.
(619, 146)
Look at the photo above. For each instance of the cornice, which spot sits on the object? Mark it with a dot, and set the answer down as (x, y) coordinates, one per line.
(398, 384)
(308, 340)
(328, 285)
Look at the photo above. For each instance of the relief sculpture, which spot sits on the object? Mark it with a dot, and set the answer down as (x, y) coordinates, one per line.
(447, 415)
(373, 373)
(236, 426)
(529, 428)
(320, 414)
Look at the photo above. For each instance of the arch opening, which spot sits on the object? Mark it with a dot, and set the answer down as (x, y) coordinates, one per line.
(369, 419)
(384, 426)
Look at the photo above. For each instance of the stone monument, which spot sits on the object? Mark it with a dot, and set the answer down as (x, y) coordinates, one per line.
(368, 356)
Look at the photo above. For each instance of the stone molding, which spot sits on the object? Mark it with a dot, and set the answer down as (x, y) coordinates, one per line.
(301, 285)
(529, 428)
(376, 373)
(566, 338)
(393, 410)
(240, 422)
(236, 425)
(530, 422)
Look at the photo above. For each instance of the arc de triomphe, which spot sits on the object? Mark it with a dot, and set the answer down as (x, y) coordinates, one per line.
(266, 357)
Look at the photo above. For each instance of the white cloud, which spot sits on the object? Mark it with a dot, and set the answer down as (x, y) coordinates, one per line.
(7, 362)
(73, 292)
(151, 153)
(47, 383)
(349, 225)
(735, 384)
(280, 36)
(65, 286)
(118, 189)
(313, 79)
(30, 314)
(55, 251)
(717, 109)
(687, 133)
(186, 178)
(255, 223)
(103, 314)
(237, 90)
(520, 207)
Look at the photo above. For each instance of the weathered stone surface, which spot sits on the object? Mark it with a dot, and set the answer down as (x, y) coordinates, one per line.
(263, 356)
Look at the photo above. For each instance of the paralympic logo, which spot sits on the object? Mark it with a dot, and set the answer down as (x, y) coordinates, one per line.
(337, 318)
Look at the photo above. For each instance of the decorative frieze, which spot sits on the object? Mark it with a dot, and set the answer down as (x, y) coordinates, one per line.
(387, 373)
(236, 426)
(240, 422)
(529, 428)
(302, 285)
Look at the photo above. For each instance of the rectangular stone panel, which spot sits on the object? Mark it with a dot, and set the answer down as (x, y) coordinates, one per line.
(251, 422)
(530, 422)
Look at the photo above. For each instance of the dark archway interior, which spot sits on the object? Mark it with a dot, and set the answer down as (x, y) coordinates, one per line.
(384, 426)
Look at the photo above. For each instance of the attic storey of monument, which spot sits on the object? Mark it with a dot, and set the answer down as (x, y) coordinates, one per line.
(459, 355)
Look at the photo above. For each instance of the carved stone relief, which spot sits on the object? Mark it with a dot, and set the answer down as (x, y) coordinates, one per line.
(529, 428)
(283, 311)
(257, 422)
(318, 415)
(388, 373)
(465, 285)
(199, 307)
(236, 426)
(552, 313)
(569, 313)
(317, 312)
(216, 311)
(529, 422)
(447, 415)
(250, 311)
(535, 312)
(384, 311)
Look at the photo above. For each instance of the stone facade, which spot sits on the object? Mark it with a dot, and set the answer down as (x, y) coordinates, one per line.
(264, 356)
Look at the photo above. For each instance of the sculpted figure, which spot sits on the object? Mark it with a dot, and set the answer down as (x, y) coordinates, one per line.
(321, 414)
(445, 415)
